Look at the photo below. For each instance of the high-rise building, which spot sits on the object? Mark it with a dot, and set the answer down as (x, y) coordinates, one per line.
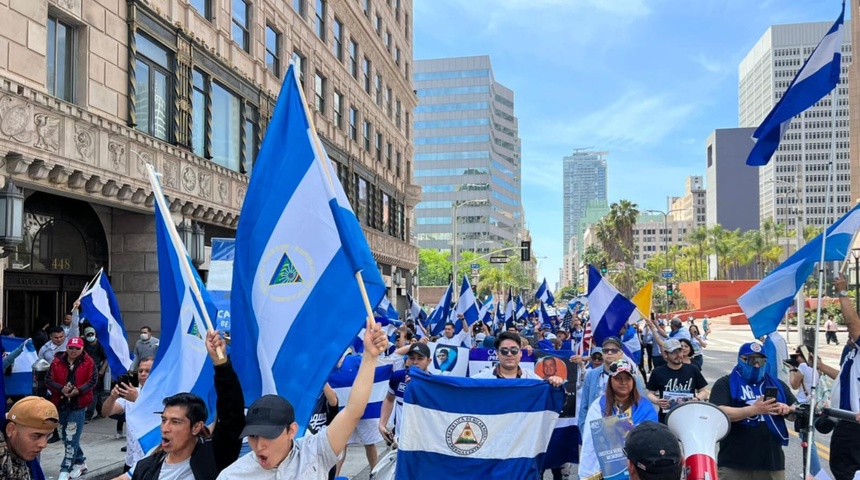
(765, 73)
(584, 180)
(92, 91)
(732, 194)
(467, 156)
(653, 234)
(691, 206)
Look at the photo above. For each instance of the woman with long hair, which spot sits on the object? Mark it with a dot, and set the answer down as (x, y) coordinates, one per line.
(687, 351)
(621, 399)
(698, 344)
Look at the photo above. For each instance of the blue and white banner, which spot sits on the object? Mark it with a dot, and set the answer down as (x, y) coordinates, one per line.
(181, 363)
(19, 381)
(220, 279)
(485, 314)
(818, 76)
(544, 294)
(297, 255)
(631, 345)
(440, 315)
(521, 312)
(481, 359)
(386, 309)
(609, 310)
(466, 303)
(390, 327)
(448, 360)
(766, 302)
(475, 428)
(342, 378)
(99, 306)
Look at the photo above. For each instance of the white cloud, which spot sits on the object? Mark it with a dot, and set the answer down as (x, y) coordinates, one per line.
(708, 64)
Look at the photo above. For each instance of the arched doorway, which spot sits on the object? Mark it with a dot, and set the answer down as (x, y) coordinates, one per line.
(64, 246)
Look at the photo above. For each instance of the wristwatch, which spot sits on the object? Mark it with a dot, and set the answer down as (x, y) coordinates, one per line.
(843, 293)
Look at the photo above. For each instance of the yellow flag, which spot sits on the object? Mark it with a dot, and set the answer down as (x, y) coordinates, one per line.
(642, 299)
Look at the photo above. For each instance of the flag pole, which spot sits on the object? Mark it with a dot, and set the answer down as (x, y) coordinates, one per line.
(158, 193)
(320, 155)
(827, 202)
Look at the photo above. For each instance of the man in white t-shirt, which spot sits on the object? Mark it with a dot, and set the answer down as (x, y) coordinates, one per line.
(464, 337)
(121, 399)
(510, 353)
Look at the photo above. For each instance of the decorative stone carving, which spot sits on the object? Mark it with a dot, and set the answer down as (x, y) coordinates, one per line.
(38, 170)
(116, 154)
(222, 190)
(175, 205)
(94, 184)
(84, 144)
(150, 200)
(205, 179)
(124, 193)
(47, 131)
(240, 196)
(59, 175)
(143, 158)
(228, 219)
(139, 196)
(16, 164)
(170, 169)
(198, 212)
(235, 222)
(14, 120)
(187, 208)
(209, 215)
(219, 217)
(77, 180)
(110, 188)
(189, 179)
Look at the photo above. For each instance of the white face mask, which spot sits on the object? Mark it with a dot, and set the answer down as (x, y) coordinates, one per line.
(144, 336)
(91, 338)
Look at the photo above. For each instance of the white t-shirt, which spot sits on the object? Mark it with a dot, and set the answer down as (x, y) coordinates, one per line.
(176, 471)
(810, 378)
(459, 338)
(848, 379)
(310, 459)
(490, 373)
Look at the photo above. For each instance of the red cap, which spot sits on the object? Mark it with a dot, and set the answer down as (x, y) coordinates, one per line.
(76, 342)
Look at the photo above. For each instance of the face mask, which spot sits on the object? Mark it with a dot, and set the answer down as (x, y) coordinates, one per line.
(91, 338)
(144, 336)
(751, 374)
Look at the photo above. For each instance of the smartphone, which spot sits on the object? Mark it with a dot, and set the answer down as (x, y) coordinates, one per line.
(770, 392)
(129, 378)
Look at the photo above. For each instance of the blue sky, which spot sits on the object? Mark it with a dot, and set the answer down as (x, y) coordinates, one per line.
(646, 80)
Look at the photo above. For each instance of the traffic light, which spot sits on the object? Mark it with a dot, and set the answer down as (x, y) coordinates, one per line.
(603, 267)
(669, 289)
(526, 251)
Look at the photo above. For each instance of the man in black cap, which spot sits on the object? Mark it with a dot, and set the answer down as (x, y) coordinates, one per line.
(418, 356)
(271, 428)
(653, 453)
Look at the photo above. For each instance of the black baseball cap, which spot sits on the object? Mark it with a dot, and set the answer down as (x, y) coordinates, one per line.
(612, 339)
(268, 417)
(655, 451)
(419, 348)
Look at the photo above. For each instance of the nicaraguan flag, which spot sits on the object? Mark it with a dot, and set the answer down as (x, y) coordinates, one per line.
(99, 306)
(386, 309)
(439, 316)
(631, 345)
(20, 380)
(544, 294)
(415, 310)
(545, 319)
(341, 380)
(472, 428)
(609, 310)
(299, 247)
(181, 363)
(485, 314)
(466, 304)
(510, 306)
(818, 76)
(390, 327)
(766, 302)
(521, 309)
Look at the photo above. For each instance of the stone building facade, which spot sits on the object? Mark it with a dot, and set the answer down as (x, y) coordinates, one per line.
(93, 90)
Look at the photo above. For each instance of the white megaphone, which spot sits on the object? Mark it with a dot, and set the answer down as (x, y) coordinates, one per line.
(699, 426)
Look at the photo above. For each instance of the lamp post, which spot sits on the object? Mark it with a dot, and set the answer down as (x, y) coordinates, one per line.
(194, 238)
(800, 301)
(11, 217)
(855, 252)
(454, 206)
(665, 246)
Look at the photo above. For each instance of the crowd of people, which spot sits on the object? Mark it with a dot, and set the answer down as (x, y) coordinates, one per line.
(610, 384)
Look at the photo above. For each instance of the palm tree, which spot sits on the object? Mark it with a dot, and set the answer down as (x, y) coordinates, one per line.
(758, 245)
(699, 239)
(718, 245)
(623, 215)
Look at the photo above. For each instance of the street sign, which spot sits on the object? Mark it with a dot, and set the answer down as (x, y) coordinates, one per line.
(476, 268)
(667, 273)
(500, 259)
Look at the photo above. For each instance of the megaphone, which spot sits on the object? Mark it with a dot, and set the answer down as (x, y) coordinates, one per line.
(699, 426)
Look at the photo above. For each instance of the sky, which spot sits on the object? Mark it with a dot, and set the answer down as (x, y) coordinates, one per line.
(645, 80)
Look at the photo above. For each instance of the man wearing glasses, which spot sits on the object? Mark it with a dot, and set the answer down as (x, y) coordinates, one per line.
(757, 405)
(510, 353)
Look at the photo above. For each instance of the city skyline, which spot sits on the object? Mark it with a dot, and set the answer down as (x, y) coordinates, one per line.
(647, 82)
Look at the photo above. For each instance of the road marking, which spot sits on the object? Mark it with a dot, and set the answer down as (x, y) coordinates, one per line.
(823, 450)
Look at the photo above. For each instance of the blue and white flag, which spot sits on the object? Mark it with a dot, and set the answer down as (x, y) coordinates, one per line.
(500, 315)
(609, 310)
(521, 311)
(510, 306)
(545, 319)
(99, 306)
(466, 303)
(577, 303)
(390, 327)
(415, 311)
(631, 345)
(20, 381)
(485, 314)
(181, 363)
(544, 294)
(219, 282)
(766, 302)
(440, 315)
(818, 76)
(297, 256)
(467, 428)
(386, 309)
(341, 380)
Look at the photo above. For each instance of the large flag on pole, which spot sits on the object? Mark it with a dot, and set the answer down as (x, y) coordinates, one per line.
(181, 364)
(299, 247)
(99, 306)
(766, 302)
(440, 315)
(608, 309)
(466, 303)
(544, 294)
(818, 76)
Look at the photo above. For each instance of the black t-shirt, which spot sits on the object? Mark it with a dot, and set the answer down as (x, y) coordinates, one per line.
(322, 416)
(748, 448)
(687, 379)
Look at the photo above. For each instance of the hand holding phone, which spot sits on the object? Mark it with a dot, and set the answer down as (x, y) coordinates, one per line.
(770, 392)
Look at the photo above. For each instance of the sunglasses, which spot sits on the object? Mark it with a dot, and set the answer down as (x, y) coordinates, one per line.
(754, 361)
(73, 348)
(504, 351)
(611, 351)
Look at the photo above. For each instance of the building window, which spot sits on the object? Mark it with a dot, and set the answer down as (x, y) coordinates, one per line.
(397, 10)
(388, 101)
(273, 51)
(399, 158)
(378, 25)
(397, 109)
(388, 148)
(199, 95)
(299, 7)
(377, 85)
(320, 22)
(249, 153)
(353, 124)
(338, 39)
(378, 147)
(61, 44)
(299, 65)
(319, 93)
(353, 58)
(152, 89)
(366, 131)
(361, 212)
(226, 119)
(386, 204)
(337, 109)
(366, 72)
(366, 6)
(388, 40)
(397, 55)
(242, 24)
(203, 7)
